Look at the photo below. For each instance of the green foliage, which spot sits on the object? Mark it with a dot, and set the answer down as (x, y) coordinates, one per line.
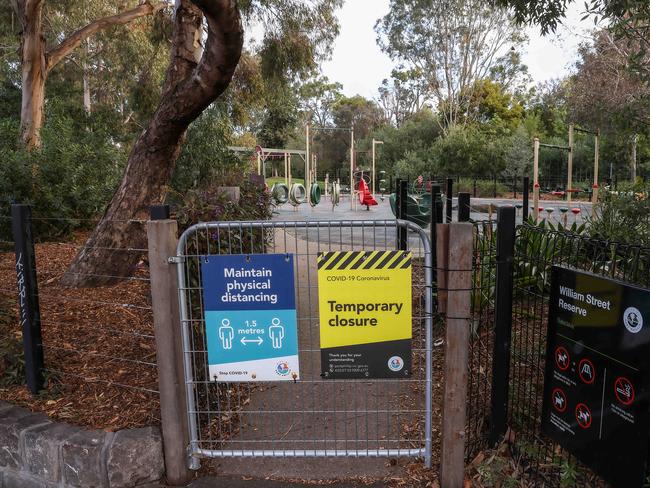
(623, 216)
(71, 177)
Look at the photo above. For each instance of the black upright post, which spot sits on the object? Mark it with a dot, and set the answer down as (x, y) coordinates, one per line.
(514, 185)
(436, 217)
(450, 192)
(474, 189)
(30, 315)
(402, 232)
(502, 322)
(159, 212)
(494, 186)
(526, 196)
(463, 207)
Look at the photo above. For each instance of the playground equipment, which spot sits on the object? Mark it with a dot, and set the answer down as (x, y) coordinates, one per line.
(569, 190)
(416, 212)
(297, 194)
(336, 194)
(374, 174)
(280, 193)
(382, 184)
(365, 197)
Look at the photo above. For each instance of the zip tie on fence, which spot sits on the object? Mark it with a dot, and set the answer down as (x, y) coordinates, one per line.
(91, 353)
(97, 380)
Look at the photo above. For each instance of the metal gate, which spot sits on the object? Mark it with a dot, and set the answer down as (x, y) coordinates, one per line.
(313, 416)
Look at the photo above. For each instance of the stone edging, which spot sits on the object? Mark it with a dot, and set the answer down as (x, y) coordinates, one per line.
(37, 452)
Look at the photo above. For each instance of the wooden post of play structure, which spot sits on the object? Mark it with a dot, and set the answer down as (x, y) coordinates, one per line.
(307, 165)
(352, 168)
(536, 179)
(286, 170)
(458, 311)
(569, 177)
(259, 163)
(594, 193)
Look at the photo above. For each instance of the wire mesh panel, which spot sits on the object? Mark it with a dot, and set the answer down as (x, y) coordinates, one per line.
(481, 336)
(537, 249)
(312, 416)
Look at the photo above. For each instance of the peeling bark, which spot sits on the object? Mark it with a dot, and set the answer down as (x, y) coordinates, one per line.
(190, 87)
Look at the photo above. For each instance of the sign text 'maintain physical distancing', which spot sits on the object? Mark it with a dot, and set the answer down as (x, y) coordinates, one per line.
(250, 317)
(597, 372)
(365, 308)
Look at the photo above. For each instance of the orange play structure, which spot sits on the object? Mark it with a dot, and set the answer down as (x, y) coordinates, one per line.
(365, 197)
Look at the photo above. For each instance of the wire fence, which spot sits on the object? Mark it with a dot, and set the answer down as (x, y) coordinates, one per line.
(98, 342)
(536, 250)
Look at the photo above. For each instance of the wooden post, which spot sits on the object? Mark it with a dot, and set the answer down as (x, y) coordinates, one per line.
(536, 180)
(459, 283)
(594, 193)
(162, 239)
(28, 305)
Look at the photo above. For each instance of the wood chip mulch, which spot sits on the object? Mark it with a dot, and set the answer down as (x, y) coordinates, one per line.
(98, 345)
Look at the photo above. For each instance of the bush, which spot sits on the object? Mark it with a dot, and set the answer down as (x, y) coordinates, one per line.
(484, 188)
(623, 217)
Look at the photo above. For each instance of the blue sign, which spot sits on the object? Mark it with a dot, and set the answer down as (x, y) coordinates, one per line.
(250, 317)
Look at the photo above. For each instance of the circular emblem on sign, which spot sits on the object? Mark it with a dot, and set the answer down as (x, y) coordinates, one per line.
(624, 391)
(559, 400)
(282, 369)
(395, 363)
(586, 371)
(562, 358)
(633, 319)
(583, 415)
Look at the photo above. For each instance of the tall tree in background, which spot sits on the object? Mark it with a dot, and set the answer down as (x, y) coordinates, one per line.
(605, 94)
(199, 72)
(38, 60)
(405, 94)
(453, 44)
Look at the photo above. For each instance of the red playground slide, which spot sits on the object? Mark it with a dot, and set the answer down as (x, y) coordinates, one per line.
(365, 197)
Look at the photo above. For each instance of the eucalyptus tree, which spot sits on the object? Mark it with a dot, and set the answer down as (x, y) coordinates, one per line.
(296, 36)
(452, 43)
(43, 46)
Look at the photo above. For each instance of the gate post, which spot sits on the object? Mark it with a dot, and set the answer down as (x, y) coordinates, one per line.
(161, 235)
(459, 284)
(450, 189)
(502, 322)
(30, 314)
(463, 207)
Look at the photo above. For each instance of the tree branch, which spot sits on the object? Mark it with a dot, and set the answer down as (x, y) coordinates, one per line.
(56, 54)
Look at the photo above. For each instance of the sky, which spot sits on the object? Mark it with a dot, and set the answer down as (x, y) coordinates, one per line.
(358, 63)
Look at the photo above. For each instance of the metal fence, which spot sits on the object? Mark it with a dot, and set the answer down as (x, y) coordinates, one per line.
(312, 416)
(537, 249)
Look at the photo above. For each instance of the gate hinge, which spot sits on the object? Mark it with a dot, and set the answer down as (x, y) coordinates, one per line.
(175, 260)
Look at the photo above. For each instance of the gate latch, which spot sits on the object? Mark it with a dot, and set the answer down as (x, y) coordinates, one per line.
(175, 260)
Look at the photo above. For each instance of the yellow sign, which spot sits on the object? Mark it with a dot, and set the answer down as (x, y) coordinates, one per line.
(365, 308)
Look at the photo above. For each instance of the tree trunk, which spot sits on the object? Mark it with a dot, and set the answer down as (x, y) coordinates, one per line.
(34, 73)
(115, 247)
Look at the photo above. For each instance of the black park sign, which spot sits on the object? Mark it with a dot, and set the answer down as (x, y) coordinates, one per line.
(597, 374)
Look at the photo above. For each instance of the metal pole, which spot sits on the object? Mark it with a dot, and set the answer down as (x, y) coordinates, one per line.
(536, 179)
(436, 217)
(526, 195)
(463, 207)
(569, 178)
(373, 167)
(403, 236)
(450, 189)
(159, 212)
(503, 322)
(29, 310)
(352, 168)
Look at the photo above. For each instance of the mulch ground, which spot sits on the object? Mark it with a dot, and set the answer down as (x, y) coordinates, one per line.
(98, 345)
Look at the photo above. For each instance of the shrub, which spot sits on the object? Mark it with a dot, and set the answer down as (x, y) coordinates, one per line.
(622, 217)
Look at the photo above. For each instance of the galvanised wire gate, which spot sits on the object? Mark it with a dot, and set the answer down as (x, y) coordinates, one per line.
(312, 416)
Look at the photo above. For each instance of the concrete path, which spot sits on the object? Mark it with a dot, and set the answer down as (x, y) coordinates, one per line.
(315, 414)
